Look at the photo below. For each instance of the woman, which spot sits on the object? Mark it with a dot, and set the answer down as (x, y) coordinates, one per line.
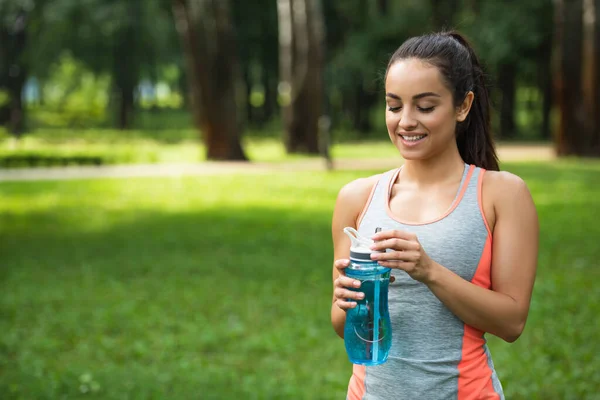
(461, 237)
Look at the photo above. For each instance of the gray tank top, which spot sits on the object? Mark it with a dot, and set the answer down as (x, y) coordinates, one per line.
(434, 355)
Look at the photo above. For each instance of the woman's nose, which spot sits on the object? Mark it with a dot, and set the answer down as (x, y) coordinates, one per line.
(407, 120)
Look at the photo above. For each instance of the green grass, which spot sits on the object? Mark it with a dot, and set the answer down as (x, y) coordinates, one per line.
(219, 288)
(162, 146)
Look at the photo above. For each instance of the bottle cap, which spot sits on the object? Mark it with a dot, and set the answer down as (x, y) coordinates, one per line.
(360, 248)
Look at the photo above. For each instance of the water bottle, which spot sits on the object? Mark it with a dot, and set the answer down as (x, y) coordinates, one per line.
(368, 330)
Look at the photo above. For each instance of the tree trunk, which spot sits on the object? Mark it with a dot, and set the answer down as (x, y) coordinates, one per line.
(382, 7)
(182, 85)
(589, 81)
(13, 73)
(126, 106)
(212, 69)
(126, 68)
(301, 59)
(270, 87)
(595, 141)
(545, 86)
(507, 83)
(569, 31)
(247, 111)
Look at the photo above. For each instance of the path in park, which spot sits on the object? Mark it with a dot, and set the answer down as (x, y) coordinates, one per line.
(505, 153)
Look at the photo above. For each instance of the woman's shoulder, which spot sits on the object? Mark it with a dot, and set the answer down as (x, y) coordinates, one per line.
(351, 200)
(503, 193)
(505, 190)
(354, 194)
(503, 182)
(360, 186)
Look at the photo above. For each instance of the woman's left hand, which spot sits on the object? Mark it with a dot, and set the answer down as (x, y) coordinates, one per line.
(406, 254)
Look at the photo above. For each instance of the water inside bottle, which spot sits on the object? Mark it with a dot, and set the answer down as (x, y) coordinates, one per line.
(367, 336)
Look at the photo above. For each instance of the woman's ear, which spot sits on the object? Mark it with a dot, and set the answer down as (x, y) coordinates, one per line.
(463, 110)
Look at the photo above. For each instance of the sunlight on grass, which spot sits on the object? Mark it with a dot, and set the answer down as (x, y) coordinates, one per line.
(166, 146)
(221, 285)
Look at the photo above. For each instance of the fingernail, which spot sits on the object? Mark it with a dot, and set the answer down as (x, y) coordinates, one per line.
(361, 295)
(357, 283)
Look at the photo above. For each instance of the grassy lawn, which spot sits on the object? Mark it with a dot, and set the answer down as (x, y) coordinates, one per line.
(219, 288)
(164, 146)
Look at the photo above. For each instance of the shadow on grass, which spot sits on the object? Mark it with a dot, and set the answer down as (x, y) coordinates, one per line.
(230, 303)
(232, 300)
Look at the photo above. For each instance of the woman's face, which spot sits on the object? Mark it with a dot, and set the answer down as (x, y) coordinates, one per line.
(420, 114)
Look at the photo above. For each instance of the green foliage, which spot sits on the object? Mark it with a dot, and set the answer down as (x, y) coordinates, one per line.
(73, 96)
(16, 159)
(4, 97)
(170, 141)
(508, 32)
(105, 146)
(364, 51)
(174, 288)
(93, 30)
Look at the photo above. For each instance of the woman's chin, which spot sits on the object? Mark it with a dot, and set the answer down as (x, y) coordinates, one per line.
(410, 154)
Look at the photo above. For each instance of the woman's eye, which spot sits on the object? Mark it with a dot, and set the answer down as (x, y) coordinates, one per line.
(426, 109)
(394, 109)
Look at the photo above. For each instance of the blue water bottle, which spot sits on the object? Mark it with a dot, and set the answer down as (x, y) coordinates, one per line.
(368, 330)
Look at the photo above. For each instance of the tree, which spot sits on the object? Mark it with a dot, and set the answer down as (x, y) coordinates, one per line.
(127, 62)
(301, 36)
(576, 78)
(257, 42)
(212, 69)
(14, 20)
(513, 41)
(128, 39)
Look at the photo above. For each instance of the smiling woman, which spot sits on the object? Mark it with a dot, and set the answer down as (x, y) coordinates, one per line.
(462, 242)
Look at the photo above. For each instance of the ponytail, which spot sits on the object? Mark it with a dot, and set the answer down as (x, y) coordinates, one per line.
(474, 134)
(459, 66)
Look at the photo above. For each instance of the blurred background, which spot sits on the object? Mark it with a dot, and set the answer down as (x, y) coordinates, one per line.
(231, 72)
(212, 279)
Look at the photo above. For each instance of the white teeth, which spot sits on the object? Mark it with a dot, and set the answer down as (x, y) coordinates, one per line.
(413, 138)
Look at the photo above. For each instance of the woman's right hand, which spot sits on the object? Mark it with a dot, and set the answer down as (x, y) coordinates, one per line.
(343, 295)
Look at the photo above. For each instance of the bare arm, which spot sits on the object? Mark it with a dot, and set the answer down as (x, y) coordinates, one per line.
(502, 310)
(350, 203)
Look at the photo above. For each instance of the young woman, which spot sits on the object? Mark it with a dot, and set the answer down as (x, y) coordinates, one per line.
(461, 237)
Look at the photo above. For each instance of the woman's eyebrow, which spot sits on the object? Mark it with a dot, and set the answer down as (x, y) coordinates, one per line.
(415, 97)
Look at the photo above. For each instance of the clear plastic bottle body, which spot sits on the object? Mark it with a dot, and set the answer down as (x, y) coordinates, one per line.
(367, 330)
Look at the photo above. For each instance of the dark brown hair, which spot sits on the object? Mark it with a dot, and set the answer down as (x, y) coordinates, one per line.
(459, 66)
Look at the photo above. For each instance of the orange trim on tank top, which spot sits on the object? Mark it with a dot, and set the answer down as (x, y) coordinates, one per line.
(453, 206)
(480, 200)
(356, 386)
(364, 210)
(474, 372)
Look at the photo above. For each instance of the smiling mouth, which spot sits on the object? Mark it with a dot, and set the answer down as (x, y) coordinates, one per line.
(412, 138)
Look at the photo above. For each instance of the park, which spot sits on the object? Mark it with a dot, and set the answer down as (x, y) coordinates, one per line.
(155, 246)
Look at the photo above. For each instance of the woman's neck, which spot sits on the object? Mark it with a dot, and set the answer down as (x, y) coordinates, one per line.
(439, 169)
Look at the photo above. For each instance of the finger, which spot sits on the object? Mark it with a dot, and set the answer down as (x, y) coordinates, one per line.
(396, 244)
(345, 305)
(406, 255)
(407, 266)
(345, 282)
(395, 233)
(348, 295)
(341, 264)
